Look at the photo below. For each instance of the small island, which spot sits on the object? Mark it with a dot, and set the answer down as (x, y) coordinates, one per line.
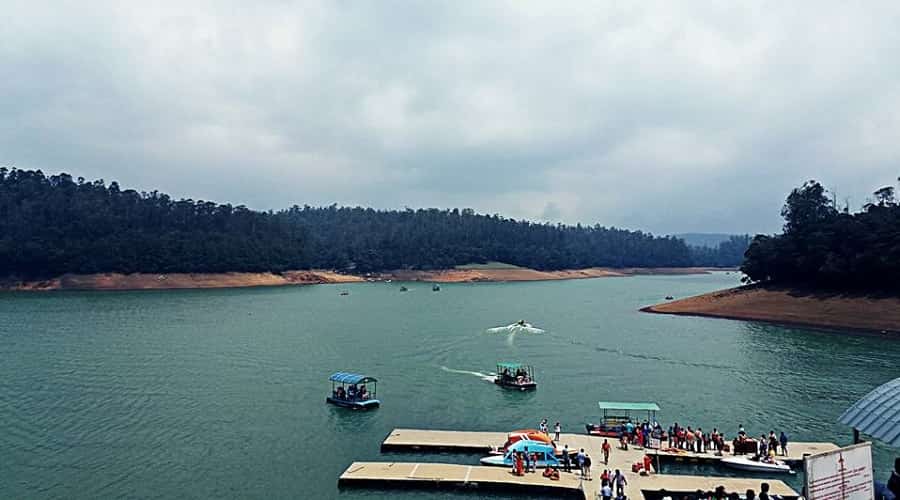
(830, 268)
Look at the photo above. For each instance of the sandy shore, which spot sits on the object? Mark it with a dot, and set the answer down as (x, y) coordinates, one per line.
(524, 274)
(793, 307)
(144, 281)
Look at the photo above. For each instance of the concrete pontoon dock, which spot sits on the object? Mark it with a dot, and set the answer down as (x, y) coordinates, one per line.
(416, 439)
(429, 474)
(437, 474)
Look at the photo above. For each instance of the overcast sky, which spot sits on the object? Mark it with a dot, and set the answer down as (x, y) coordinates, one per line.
(663, 116)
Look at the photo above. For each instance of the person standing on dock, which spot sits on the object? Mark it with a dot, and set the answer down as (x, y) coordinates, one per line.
(557, 429)
(606, 449)
(773, 443)
(567, 459)
(606, 491)
(527, 460)
(543, 426)
(620, 481)
(587, 467)
(783, 440)
(580, 459)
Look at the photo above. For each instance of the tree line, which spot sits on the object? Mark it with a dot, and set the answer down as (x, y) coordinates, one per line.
(824, 246)
(51, 225)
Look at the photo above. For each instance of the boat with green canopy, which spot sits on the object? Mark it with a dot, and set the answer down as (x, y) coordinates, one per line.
(515, 376)
(350, 390)
(617, 417)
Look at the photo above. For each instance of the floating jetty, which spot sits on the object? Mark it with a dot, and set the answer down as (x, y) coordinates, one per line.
(454, 475)
(416, 439)
(400, 474)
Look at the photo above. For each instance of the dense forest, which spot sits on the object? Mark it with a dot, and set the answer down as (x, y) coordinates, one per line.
(51, 225)
(827, 247)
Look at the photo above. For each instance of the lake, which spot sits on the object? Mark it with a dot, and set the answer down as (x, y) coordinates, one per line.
(220, 393)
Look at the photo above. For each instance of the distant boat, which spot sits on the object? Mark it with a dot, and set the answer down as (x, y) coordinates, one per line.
(403, 289)
(436, 288)
(669, 297)
(345, 292)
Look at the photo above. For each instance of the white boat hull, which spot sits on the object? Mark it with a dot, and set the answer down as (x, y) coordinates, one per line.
(744, 463)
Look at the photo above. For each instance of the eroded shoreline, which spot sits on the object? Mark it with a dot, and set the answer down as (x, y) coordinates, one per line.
(871, 313)
(156, 281)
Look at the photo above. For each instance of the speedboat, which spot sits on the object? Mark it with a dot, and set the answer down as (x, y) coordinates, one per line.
(744, 462)
(546, 454)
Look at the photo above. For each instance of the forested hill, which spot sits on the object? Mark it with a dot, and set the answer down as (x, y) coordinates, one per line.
(50, 225)
(825, 247)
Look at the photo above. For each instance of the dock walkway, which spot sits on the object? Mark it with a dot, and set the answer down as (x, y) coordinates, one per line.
(397, 473)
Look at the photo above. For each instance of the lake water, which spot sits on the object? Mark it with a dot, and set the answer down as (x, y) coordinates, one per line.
(220, 393)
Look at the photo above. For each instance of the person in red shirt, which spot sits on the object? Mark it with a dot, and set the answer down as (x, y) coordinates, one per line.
(606, 449)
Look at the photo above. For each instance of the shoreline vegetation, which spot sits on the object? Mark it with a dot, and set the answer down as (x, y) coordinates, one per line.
(492, 272)
(837, 310)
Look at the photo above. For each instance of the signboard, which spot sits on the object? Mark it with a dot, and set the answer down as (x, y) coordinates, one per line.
(842, 474)
(654, 443)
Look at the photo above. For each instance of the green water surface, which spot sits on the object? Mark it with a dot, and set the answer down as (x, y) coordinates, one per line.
(220, 393)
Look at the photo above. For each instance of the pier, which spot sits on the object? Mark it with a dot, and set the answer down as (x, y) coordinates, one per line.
(463, 475)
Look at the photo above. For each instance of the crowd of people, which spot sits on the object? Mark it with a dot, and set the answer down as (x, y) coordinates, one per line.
(678, 437)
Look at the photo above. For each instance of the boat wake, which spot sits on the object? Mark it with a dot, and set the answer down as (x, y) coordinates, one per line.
(515, 328)
(487, 377)
(520, 327)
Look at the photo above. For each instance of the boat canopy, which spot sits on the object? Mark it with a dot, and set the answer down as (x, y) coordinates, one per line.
(351, 378)
(510, 366)
(606, 405)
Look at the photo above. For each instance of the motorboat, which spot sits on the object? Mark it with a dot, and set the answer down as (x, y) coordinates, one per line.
(748, 463)
(349, 390)
(546, 454)
(618, 419)
(515, 376)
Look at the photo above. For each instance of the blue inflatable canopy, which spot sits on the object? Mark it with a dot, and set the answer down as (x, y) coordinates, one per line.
(350, 378)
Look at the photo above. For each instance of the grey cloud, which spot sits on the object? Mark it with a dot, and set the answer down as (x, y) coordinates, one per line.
(664, 117)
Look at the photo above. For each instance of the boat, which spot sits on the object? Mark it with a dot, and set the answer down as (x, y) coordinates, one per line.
(748, 463)
(618, 418)
(515, 376)
(546, 454)
(349, 390)
(345, 292)
(436, 288)
(404, 289)
(524, 435)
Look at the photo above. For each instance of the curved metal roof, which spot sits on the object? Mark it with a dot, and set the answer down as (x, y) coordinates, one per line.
(350, 378)
(877, 413)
